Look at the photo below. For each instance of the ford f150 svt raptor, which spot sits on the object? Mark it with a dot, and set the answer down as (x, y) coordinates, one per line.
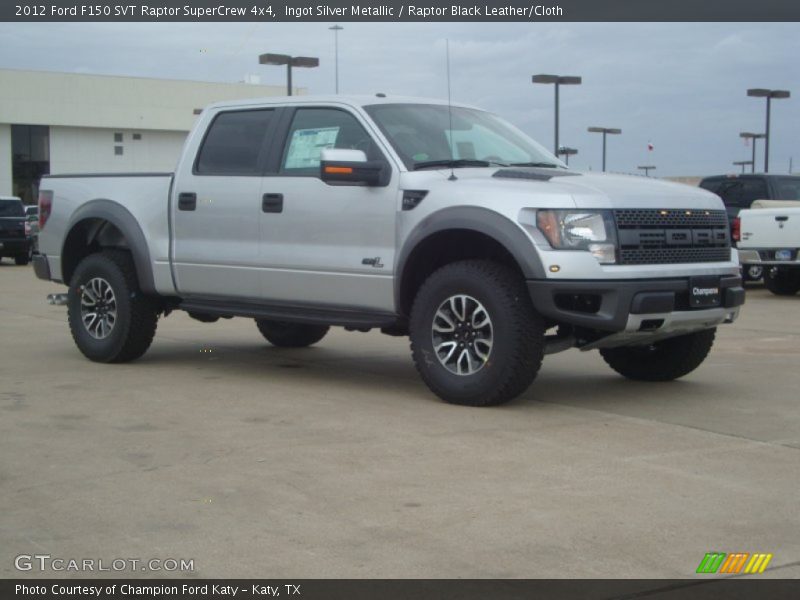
(445, 224)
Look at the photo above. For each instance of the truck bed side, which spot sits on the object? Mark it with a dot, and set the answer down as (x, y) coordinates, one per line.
(128, 210)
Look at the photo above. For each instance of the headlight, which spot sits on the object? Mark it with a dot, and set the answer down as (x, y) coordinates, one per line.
(580, 230)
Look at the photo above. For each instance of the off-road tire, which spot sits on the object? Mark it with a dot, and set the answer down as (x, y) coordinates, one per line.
(136, 313)
(21, 260)
(661, 361)
(291, 335)
(782, 282)
(517, 332)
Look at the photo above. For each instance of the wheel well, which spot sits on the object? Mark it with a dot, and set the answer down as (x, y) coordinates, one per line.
(445, 247)
(87, 237)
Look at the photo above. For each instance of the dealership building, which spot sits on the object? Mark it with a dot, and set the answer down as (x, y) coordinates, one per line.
(77, 123)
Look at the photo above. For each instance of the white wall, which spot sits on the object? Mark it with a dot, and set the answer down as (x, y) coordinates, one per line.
(5, 160)
(77, 100)
(91, 150)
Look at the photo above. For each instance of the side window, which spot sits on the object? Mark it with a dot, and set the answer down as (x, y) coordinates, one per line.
(712, 185)
(752, 190)
(233, 143)
(316, 129)
(730, 192)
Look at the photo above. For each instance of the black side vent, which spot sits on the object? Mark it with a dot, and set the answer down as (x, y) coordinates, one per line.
(411, 198)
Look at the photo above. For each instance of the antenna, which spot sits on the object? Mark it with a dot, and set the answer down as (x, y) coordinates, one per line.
(450, 113)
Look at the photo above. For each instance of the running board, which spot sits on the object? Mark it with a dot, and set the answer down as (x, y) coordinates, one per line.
(292, 313)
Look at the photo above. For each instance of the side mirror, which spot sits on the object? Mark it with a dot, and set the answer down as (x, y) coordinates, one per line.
(351, 167)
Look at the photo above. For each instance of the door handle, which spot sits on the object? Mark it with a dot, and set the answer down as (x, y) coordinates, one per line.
(782, 218)
(187, 201)
(272, 203)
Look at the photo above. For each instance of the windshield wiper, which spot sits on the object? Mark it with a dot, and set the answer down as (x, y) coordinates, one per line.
(455, 164)
(544, 165)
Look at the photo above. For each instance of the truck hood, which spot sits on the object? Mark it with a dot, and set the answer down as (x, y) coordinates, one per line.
(585, 189)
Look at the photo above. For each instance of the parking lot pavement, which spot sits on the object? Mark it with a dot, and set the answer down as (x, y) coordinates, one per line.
(336, 461)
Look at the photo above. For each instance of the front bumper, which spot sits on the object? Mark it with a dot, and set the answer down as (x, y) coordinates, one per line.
(648, 306)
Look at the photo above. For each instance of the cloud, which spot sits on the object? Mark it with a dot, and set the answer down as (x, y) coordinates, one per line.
(681, 85)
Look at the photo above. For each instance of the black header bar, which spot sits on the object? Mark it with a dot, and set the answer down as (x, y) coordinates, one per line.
(398, 10)
(702, 588)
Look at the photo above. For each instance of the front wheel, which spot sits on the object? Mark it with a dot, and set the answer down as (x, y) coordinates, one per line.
(291, 335)
(782, 281)
(661, 361)
(476, 338)
(111, 320)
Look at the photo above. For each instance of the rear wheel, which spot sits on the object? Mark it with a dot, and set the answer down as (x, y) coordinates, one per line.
(661, 361)
(291, 335)
(476, 338)
(111, 320)
(782, 281)
(21, 259)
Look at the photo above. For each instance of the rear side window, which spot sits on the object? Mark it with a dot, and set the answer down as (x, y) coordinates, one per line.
(787, 189)
(234, 143)
(11, 208)
(752, 190)
(741, 193)
(712, 185)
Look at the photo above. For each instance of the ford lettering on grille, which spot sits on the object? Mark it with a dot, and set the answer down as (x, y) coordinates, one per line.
(652, 236)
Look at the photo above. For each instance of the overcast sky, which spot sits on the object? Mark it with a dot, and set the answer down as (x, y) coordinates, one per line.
(680, 86)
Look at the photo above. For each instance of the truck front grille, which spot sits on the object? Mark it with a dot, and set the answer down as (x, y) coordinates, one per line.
(652, 236)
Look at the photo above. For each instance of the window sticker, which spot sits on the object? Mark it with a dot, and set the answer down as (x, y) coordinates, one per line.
(307, 145)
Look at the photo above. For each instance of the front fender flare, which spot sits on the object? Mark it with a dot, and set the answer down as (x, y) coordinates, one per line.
(477, 219)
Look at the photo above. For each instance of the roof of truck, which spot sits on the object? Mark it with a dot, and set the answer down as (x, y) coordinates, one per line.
(351, 100)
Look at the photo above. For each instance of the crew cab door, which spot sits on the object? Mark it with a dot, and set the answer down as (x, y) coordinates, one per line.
(216, 207)
(324, 244)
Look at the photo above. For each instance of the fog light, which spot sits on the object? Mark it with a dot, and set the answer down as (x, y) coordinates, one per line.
(604, 253)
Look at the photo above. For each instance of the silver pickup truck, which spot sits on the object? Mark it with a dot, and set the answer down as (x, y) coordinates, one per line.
(442, 223)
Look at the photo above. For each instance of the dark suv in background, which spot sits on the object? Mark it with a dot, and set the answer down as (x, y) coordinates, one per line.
(15, 240)
(740, 191)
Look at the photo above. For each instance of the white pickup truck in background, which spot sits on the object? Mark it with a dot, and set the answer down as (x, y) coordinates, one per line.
(769, 235)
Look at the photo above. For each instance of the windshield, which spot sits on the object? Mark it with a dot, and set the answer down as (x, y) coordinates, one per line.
(421, 133)
(11, 208)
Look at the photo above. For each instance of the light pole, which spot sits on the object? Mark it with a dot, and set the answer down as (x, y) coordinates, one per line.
(769, 95)
(558, 80)
(605, 131)
(647, 169)
(567, 152)
(336, 29)
(290, 61)
(754, 137)
(742, 163)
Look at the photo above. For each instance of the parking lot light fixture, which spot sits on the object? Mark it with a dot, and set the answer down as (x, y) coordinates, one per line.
(647, 169)
(336, 29)
(769, 95)
(566, 152)
(752, 136)
(605, 131)
(556, 80)
(307, 62)
(742, 163)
